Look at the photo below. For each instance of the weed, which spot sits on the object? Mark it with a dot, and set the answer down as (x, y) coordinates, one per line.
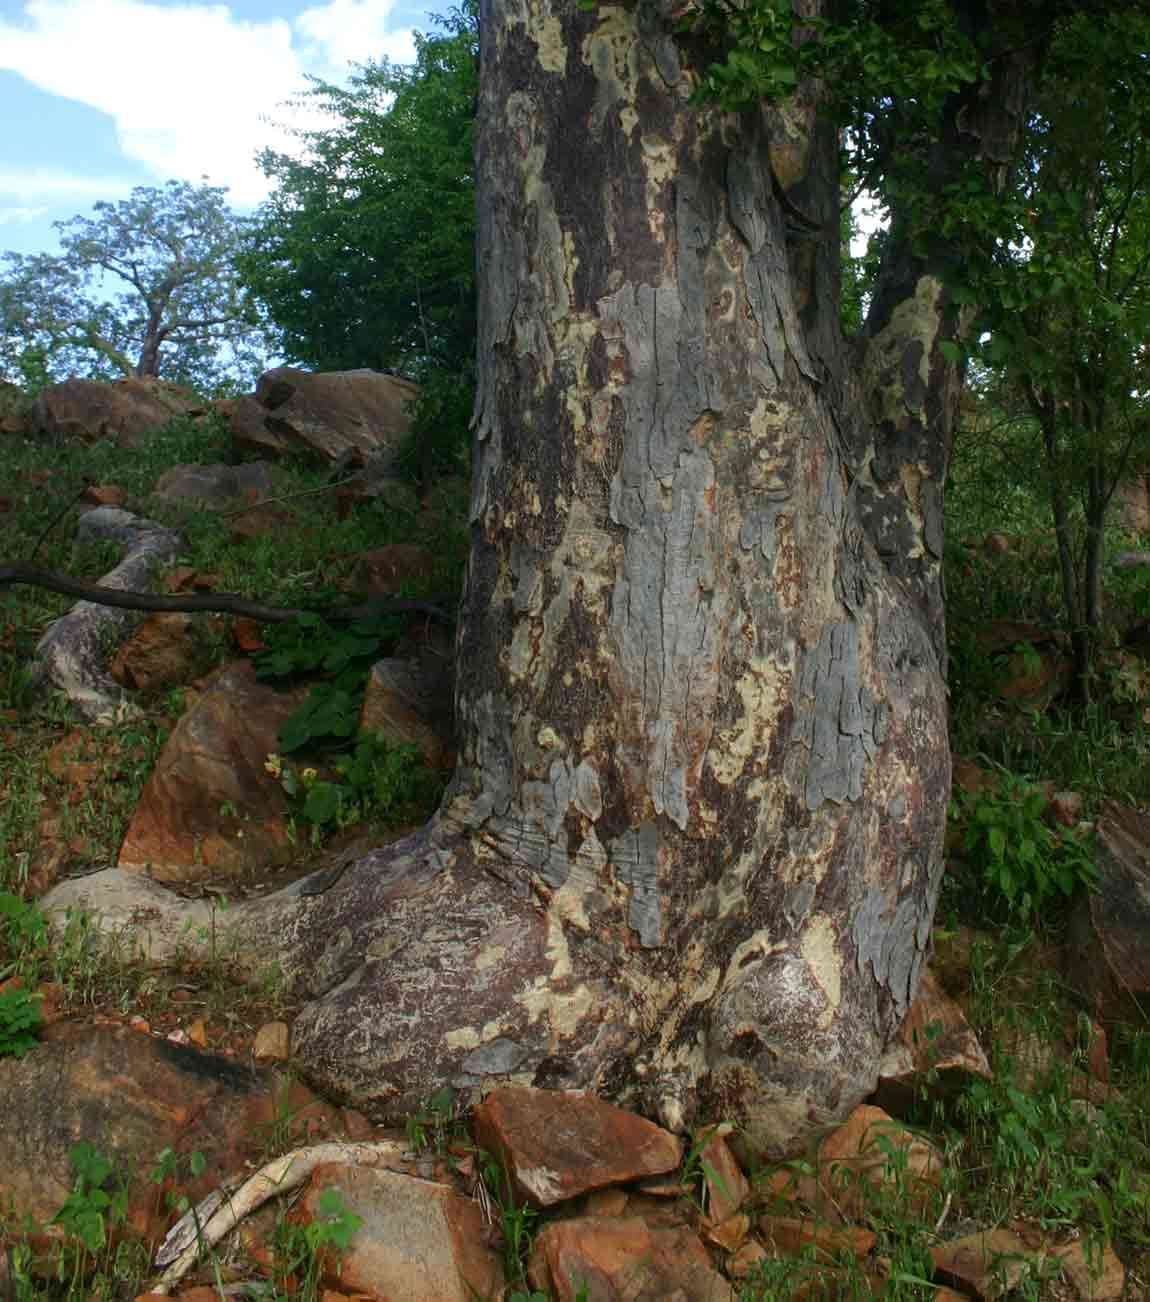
(302, 1251)
(435, 1122)
(20, 1019)
(517, 1220)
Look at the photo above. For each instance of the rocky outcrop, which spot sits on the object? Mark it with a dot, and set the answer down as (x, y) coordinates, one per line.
(333, 414)
(210, 808)
(215, 486)
(123, 411)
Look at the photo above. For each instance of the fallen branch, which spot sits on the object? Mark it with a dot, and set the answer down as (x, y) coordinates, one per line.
(201, 1228)
(220, 602)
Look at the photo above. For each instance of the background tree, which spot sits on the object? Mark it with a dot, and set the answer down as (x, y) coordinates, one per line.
(364, 254)
(1065, 296)
(148, 286)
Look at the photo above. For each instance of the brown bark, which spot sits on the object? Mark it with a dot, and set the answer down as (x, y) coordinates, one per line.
(691, 851)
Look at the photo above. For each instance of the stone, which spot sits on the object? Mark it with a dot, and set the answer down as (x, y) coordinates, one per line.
(160, 653)
(991, 1263)
(726, 1185)
(130, 1096)
(103, 495)
(418, 1240)
(791, 1236)
(406, 707)
(383, 571)
(210, 809)
(1094, 1270)
(600, 1259)
(935, 1049)
(852, 1157)
(215, 486)
(1066, 808)
(123, 411)
(330, 414)
(244, 417)
(1107, 958)
(273, 1041)
(1133, 500)
(262, 522)
(556, 1144)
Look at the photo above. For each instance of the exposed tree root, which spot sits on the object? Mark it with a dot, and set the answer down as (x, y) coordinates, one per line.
(213, 1218)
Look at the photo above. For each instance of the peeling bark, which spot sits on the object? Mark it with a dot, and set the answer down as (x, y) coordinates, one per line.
(691, 851)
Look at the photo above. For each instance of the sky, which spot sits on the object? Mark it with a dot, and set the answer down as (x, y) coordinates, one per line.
(98, 96)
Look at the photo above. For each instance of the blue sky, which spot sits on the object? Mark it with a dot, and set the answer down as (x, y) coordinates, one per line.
(97, 96)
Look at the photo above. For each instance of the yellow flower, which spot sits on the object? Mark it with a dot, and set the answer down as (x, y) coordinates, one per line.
(273, 765)
(308, 776)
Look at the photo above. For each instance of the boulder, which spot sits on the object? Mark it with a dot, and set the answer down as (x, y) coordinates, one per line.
(383, 571)
(558, 1144)
(215, 486)
(417, 1240)
(1133, 500)
(333, 414)
(406, 706)
(1108, 959)
(210, 809)
(123, 411)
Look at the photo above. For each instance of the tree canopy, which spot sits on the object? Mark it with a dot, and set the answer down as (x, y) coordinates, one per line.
(147, 286)
(364, 254)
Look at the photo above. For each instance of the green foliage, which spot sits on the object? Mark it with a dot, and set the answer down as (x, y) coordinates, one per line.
(1022, 864)
(98, 1201)
(20, 1019)
(180, 310)
(364, 254)
(431, 1126)
(438, 442)
(301, 1249)
(374, 780)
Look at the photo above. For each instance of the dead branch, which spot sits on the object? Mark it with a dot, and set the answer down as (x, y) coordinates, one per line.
(201, 1228)
(228, 603)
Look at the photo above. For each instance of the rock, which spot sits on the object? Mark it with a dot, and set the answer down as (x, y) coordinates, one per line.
(273, 1041)
(870, 1148)
(160, 653)
(215, 486)
(1108, 960)
(934, 1041)
(1066, 808)
(727, 1186)
(1131, 560)
(556, 1145)
(123, 411)
(996, 544)
(72, 654)
(244, 418)
(600, 1259)
(969, 778)
(405, 707)
(103, 495)
(262, 522)
(1133, 499)
(790, 1236)
(418, 1241)
(990, 1263)
(130, 1096)
(331, 413)
(1095, 1271)
(210, 809)
(1035, 669)
(383, 571)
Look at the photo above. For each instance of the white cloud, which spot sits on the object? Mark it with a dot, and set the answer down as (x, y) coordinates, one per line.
(353, 31)
(41, 183)
(193, 90)
(11, 216)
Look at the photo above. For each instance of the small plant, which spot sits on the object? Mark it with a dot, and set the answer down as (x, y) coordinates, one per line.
(518, 1222)
(1022, 863)
(98, 1201)
(20, 1019)
(377, 779)
(431, 1126)
(301, 1249)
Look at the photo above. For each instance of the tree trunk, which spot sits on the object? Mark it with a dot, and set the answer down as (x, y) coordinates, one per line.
(692, 848)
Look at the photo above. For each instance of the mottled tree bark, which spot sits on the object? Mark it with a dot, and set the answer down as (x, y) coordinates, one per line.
(692, 849)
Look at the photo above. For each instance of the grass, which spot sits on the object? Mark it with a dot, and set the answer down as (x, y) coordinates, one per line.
(1022, 1150)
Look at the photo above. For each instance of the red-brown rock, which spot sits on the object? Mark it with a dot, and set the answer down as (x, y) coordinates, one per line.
(160, 653)
(418, 1241)
(406, 708)
(556, 1145)
(872, 1149)
(210, 808)
(124, 410)
(990, 1263)
(599, 1259)
(384, 570)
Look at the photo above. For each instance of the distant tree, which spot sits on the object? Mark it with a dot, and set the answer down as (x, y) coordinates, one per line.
(1065, 300)
(364, 254)
(148, 286)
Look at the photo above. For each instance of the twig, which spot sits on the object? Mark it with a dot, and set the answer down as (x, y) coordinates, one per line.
(57, 518)
(228, 603)
(287, 497)
(201, 1228)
